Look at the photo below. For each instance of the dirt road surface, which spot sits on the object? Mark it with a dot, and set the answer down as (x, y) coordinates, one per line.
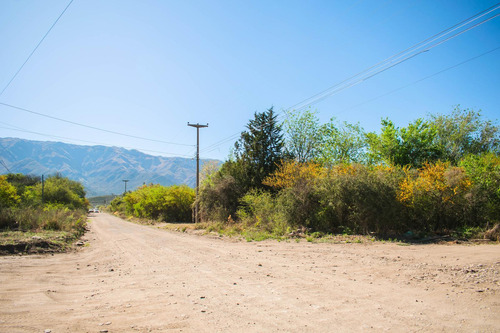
(133, 278)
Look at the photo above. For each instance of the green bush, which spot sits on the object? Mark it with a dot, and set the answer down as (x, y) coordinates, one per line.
(57, 190)
(360, 199)
(8, 194)
(63, 208)
(118, 204)
(484, 172)
(300, 204)
(22, 182)
(219, 197)
(442, 197)
(260, 210)
(169, 204)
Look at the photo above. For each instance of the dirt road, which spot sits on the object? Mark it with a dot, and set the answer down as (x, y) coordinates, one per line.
(133, 278)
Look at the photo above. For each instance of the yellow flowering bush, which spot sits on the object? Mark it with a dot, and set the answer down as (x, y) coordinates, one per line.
(436, 194)
(289, 173)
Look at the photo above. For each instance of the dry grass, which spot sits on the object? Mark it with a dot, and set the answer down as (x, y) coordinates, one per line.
(494, 233)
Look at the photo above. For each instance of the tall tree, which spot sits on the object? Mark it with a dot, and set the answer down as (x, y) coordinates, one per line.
(260, 148)
(303, 135)
(413, 145)
(342, 143)
(464, 132)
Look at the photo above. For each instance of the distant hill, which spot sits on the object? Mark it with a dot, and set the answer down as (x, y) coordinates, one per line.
(100, 169)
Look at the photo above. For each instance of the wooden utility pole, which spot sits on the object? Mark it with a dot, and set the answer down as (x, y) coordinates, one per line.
(198, 126)
(43, 186)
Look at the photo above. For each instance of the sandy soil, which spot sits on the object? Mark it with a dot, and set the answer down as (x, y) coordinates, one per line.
(133, 278)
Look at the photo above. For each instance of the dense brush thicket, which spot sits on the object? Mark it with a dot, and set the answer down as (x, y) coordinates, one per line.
(24, 206)
(157, 202)
(440, 174)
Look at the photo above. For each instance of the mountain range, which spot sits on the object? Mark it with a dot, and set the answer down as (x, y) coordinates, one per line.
(100, 169)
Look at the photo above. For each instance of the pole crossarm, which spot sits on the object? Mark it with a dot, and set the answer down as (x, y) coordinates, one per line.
(197, 125)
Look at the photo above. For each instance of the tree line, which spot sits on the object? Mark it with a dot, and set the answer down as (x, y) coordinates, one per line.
(438, 174)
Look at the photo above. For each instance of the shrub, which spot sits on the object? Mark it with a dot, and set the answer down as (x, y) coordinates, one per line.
(484, 172)
(21, 182)
(261, 211)
(8, 194)
(117, 204)
(344, 197)
(289, 173)
(178, 203)
(64, 207)
(297, 197)
(57, 190)
(170, 204)
(218, 197)
(360, 199)
(438, 197)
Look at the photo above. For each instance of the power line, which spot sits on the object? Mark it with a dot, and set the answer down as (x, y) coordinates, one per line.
(424, 78)
(398, 58)
(4, 165)
(59, 119)
(92, 127)
(16, 128)
(36, 47)
(388, 63)
(218, 143)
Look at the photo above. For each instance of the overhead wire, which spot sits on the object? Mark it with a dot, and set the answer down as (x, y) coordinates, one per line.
(92, 127)
(405, 54)
(345, 84)
(216, 145)
(5, 165)
(60, 119)
(16, 128)
(383, 65)
(422, 79)
(36, 47)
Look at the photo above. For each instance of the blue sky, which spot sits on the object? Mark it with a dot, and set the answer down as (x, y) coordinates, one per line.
(146, 68)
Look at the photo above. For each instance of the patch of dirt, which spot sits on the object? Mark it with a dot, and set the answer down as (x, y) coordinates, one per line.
(31, 247)
(135, 278)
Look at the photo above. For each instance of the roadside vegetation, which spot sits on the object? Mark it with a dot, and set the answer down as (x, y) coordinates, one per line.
(437, 176)
(156, 203)
(31, 221)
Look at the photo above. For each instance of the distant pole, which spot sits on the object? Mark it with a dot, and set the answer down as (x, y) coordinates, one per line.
(43, 185)
(125, 181)
(198, 126)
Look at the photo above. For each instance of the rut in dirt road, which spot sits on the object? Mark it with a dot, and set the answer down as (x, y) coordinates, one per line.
(133, 278)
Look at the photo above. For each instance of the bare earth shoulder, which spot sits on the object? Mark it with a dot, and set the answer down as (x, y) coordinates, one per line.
(133, 278)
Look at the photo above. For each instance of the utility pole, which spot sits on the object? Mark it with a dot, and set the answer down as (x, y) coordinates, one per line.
(43, 185)
(125, 181)
(198, 126)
